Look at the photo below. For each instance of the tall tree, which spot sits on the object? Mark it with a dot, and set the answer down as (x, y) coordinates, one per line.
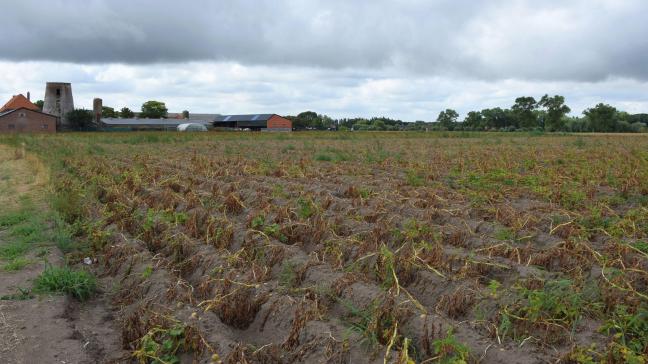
(126, 113)
(307, 119)
(602, 118)
(473, 120)
(556, 110)
(496, 118)
(40, 104)
(154, 110)
(523, 112)
(448, 118)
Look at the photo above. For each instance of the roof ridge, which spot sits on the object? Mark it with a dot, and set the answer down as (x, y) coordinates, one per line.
(17, 102)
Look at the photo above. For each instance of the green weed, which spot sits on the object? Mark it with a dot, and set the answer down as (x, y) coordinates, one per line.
(22, 295)
(148, 271)
(557, 307)
(505, 234)
(288, 275)
(78, 284)
(449, 350)
(306, 208)
(14, 218)
(629, 331)
(161, 346)
(414, 178)
(16, 264)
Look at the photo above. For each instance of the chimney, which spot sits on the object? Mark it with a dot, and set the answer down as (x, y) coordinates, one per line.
(28, 96)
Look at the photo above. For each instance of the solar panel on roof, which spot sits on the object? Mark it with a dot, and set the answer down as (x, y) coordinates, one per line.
(255, 117)
(227, 118)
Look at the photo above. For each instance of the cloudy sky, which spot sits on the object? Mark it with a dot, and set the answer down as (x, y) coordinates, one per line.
(406, 59)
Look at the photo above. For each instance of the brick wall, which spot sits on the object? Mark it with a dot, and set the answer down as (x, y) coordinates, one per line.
(277, 122)
(27, 121)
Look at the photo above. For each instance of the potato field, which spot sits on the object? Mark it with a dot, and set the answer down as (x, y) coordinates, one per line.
(362, 247)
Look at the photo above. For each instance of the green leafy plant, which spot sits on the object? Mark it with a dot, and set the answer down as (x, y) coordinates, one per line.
(306, 208)
(493, 287)
(258, 222)
(505, 234)
(556, 308)
(148, 271)
(449, 350)
(629, 331)
(161, 346)
(274, 230)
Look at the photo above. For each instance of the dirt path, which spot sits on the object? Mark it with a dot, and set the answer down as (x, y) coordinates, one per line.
(37, 328)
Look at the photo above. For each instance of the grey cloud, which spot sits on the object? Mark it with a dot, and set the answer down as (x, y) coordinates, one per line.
(499, 39)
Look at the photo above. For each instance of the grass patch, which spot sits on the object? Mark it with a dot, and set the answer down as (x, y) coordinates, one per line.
(13, 218)
(323, 158)
(16, 264)
(414, 178)
(13, 249)
(505, 234)
(78, 284)
(22, 295)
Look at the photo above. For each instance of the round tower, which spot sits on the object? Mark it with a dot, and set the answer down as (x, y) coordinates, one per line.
(58, 101)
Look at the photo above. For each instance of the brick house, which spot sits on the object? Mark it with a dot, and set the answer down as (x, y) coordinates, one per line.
(21, 115)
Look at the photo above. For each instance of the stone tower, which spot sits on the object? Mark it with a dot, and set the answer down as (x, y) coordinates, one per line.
(58, 101)
(97, 105)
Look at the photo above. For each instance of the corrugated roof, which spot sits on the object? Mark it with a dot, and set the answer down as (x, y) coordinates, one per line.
(17, 102)
(239, 118)
(151, 122)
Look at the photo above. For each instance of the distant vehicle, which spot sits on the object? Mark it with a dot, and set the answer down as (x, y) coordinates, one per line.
(192, 127)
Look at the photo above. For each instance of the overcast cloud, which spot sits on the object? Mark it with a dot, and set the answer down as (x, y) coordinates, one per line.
(405, 59)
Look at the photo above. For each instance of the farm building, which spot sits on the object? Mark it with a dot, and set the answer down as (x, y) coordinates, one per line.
(119, 124)
(21, 115)
(263, 122)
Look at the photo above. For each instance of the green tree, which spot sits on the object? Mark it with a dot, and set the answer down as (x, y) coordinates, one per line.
(602, 118)
(497, 118)
(473, 120)
(108, 112)
(448, 119)
(153, 110)
(523, 112)
(79, 118)
(556, 110)
(40, 104)
(306, 119)
(126, 113)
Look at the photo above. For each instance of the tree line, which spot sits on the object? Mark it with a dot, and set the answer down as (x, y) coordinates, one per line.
(550, 113)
